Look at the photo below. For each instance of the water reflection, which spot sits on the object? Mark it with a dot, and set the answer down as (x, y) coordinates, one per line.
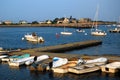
(23, 73)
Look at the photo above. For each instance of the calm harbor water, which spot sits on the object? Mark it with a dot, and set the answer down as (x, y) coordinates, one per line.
(11, 38)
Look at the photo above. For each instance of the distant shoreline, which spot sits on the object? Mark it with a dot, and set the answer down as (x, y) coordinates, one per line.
(70, 25)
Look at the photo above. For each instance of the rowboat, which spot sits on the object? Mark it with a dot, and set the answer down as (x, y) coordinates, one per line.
(19, 57)
(85, 68)
(57, 62)
(64, 68)
(37, 59)
(88, 66)
(3, 56)
(14, 57)
(19, 62)
(6, 59)
(113, 67)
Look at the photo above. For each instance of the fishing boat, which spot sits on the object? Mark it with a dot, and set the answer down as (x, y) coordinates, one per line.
(96, 31)
(33, 37)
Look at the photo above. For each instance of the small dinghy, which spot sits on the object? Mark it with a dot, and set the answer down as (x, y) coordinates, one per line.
(57, 62)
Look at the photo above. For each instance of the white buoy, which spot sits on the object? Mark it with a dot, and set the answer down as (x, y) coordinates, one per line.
(22, 38)
(85, 33)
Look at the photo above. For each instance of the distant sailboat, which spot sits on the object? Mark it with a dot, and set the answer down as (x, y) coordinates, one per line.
(66, 32)
(96, 31)
(116, 29)
(80, 30)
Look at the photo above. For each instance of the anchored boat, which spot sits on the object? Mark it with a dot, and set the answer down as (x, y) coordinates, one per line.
(33, 37)
(96, 31)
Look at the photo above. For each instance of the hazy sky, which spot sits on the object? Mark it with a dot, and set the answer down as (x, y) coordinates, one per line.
(41, 10)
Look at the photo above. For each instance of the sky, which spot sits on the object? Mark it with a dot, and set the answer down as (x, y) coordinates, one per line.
(41, 10)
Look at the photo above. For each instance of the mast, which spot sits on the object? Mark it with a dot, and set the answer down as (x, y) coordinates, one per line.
(95, 19)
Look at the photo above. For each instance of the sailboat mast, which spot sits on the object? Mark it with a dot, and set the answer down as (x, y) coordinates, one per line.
(96, 17)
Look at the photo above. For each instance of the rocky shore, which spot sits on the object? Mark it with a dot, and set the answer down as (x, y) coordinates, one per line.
(70, 25)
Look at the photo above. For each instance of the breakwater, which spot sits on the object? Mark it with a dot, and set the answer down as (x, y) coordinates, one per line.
(70, 46)
(60, 48)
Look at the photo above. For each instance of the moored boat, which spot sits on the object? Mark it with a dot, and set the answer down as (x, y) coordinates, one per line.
(64, 68)
(16, 57)
(37, 59)
(101, 60)
(66, 33)
(87, 66)
(57, 62)
(113, 67)
(80, 30)
(3, 51)
(116, 30)
(33, 38)
(96, 31)
(3, 56)
(20, 61)
(6, 59)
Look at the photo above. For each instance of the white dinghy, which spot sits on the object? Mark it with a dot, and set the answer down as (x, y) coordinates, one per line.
(57, 62)
(37, 59)
(20, 61)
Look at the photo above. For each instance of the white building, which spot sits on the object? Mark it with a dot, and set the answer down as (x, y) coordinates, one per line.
(48, 22)
(22, 22)
(66, 20)
(8, 22)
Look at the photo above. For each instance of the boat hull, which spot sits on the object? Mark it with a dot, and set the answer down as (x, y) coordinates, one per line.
(83, 71)
(98, 34)
(20, 61)
(66, 33)
(30, 37)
